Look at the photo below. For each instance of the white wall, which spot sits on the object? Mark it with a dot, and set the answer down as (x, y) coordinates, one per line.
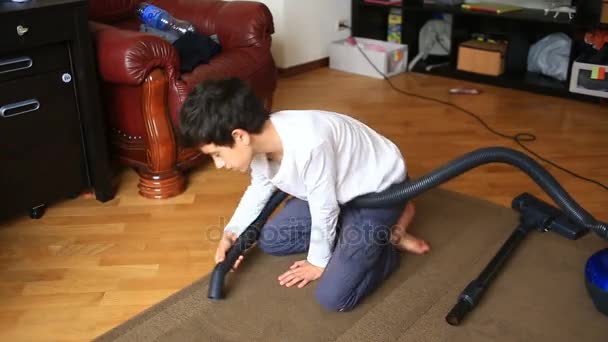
(305, 28)
(277, 8)
(311, 27)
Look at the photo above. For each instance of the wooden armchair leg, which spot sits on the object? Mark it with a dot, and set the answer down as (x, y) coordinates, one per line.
(161, 178)
(160, 185)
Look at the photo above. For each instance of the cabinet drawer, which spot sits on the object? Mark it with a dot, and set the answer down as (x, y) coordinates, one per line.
(36, 27)
(33, 61)
(41, 153)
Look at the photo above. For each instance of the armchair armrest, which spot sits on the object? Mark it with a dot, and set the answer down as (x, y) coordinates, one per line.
(127, 57)
(237, 23)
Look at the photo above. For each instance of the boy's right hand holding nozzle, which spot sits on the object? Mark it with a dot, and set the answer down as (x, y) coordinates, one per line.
(227, 240)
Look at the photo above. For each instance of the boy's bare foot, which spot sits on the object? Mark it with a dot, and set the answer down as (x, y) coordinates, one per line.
(404, 241)
(413, 244)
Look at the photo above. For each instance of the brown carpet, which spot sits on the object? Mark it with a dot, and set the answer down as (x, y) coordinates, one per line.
(539, 296)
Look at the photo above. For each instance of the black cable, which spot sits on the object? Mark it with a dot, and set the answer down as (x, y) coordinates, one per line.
(518, 138)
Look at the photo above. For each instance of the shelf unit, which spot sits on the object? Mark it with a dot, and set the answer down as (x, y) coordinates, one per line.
(530, 25)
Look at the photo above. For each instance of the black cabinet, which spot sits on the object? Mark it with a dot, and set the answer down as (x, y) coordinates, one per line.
(52, 132)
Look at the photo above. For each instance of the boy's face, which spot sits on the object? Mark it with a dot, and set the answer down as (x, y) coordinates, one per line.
(236, 158)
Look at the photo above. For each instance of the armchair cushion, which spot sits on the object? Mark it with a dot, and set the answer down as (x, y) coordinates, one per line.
(237, 23)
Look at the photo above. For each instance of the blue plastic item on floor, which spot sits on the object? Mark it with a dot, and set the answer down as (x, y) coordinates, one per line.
(596, 276)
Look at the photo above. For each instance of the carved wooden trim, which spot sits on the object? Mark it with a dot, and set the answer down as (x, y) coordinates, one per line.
(189, 158)
(162, 148)
(162, 178)
(131, 152)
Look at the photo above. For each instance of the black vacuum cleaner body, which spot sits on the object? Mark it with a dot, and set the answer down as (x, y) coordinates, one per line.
(571, 221)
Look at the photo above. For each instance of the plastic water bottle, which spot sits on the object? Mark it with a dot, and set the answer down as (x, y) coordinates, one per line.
(160, 19)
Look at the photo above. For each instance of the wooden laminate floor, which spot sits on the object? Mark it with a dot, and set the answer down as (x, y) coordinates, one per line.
(86, 266)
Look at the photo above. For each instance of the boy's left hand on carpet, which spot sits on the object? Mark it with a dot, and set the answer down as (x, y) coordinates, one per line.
(301, 271)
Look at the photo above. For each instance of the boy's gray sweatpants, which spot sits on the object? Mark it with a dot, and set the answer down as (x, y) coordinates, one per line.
(363, 255)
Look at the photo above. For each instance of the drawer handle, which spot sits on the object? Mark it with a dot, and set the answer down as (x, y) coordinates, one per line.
(14, 64)
(18, 108)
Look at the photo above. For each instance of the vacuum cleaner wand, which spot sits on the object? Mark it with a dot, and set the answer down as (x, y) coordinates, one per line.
(534, 213)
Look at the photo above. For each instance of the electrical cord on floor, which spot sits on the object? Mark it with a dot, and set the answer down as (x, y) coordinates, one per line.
(518, 138)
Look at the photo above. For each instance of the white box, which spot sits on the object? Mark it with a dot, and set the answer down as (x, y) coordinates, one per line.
(575, 87)
(390, 58)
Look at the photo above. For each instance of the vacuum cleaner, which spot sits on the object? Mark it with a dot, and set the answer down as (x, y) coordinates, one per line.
(596, 280)
(571, 221)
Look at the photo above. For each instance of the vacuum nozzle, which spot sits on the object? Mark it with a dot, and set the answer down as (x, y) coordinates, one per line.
(541, 215)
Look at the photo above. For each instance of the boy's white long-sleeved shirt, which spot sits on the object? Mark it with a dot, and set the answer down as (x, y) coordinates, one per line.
(328, 159)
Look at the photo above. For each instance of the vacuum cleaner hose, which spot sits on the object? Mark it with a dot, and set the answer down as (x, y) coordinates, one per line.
(405, 191)
(245, 240)
(479, 157)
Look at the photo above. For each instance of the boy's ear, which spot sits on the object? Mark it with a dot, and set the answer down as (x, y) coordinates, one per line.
(241, 136)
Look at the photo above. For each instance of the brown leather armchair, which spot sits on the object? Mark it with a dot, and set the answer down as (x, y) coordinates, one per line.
(143, 88)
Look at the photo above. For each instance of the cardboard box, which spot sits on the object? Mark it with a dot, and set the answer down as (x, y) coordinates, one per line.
(604, 17)
(389, 58)
(482, 57)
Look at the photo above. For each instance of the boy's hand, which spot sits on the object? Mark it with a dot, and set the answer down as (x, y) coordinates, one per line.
(228, 239)
(301, 271)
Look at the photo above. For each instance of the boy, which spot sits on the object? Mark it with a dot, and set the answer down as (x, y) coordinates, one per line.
(323, 160)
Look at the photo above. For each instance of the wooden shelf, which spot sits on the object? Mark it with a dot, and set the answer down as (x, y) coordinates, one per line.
(523, 14)
(529, 81)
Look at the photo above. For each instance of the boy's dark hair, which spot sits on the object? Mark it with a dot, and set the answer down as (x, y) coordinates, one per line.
(217, 107)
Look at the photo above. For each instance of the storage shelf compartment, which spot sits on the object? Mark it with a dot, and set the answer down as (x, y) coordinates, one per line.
(373, 21)
(530, 81)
